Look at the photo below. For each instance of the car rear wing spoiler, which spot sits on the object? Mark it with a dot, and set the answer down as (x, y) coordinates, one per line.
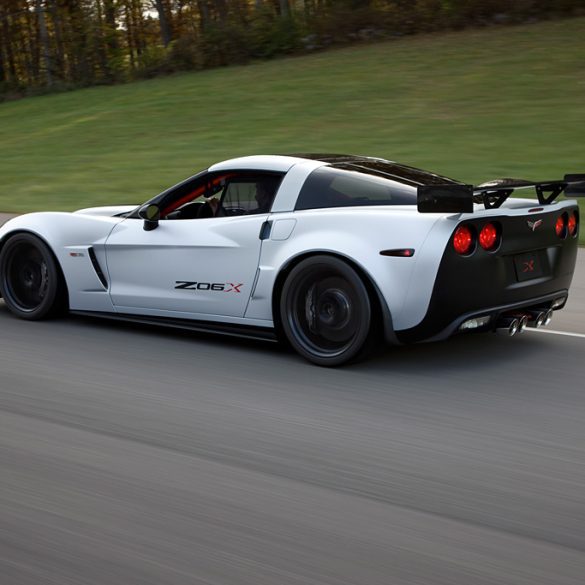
(454, 198)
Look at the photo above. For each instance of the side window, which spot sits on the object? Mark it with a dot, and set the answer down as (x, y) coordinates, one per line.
(219, 194)
(250, 194)
(188, 200)
(240, 197)
(335, 187)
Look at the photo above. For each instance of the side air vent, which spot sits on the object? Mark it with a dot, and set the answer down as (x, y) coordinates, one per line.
(97, 268)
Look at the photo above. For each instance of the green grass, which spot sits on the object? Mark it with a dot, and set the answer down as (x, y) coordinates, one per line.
(473, 105)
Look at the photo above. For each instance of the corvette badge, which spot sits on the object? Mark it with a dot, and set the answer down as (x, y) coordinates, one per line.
(533, 225)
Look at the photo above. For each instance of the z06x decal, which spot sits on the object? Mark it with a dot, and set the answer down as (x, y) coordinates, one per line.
(214, 286)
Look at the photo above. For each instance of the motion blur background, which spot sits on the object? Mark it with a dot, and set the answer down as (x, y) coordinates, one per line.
(133, 455)
(472, 89)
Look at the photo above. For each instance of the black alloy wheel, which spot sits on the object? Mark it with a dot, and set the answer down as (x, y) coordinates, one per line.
(30, 279)
(326, 312)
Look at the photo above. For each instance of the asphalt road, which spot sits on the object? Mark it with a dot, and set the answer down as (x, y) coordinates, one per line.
(133, 455)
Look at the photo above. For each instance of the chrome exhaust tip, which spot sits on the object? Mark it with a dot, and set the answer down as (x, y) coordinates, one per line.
(508, 326)
(522, 323)
(536, 319)
(540, 317)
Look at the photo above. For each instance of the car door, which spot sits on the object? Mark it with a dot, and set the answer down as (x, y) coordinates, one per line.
(197, 266)
(186, 267)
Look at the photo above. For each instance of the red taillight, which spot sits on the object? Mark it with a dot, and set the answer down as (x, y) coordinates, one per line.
(572, 225)
(463, 240)
(488, 237)
(560, 226)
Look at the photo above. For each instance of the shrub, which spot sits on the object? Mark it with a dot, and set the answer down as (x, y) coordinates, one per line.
(152, 62)
(184, 54)
(271, 35)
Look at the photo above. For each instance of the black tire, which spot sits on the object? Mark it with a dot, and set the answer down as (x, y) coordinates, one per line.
(30, 279)
(326, 312)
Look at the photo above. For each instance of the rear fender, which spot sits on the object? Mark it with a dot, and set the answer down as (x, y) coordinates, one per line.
(356, 240)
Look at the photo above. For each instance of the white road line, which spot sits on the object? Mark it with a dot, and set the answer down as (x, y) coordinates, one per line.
(556, 332)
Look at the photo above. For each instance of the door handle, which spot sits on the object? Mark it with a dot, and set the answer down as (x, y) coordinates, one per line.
(265, 230)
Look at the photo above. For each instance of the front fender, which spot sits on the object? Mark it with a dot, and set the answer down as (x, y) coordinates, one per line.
(69, 237)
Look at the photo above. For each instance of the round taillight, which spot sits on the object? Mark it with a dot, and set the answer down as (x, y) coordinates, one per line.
(463, 240)
(572, 224)
(488, 237)
(560, 226)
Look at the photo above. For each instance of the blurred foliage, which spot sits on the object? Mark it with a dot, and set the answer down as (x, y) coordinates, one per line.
(474, 105)
(55, 45)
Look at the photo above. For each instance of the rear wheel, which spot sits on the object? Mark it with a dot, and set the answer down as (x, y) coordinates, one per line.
(30, 279)
(325, 311)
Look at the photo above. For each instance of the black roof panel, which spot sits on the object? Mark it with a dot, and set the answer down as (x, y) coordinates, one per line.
(380, 166)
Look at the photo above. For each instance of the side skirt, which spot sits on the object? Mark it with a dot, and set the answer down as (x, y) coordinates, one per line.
(229, 329)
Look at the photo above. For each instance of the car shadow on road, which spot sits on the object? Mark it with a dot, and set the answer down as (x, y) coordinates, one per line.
(459, 352)
(466, 352)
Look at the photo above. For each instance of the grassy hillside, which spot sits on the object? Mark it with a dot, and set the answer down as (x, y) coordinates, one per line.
(473, 105)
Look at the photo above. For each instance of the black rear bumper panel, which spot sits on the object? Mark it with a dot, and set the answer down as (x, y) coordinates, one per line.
(488, 283)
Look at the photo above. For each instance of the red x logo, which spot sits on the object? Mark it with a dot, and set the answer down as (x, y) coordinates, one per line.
(528, 266)
(235, 287)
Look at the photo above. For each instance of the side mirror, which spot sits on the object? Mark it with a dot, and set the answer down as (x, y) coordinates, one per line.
(150, 213)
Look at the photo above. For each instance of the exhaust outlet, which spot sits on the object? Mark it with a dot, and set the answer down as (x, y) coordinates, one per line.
(539, 317)
(536, 319)
(523, 323)
(508, 326)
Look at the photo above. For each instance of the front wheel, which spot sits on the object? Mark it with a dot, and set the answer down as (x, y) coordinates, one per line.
(325, 311)
(30, 280)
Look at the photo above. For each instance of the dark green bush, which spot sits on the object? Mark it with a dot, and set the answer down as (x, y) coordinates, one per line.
(271, 35)
(185, 54)
(225, 44)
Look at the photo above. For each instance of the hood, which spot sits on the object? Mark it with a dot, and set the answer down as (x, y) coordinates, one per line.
(108, 211)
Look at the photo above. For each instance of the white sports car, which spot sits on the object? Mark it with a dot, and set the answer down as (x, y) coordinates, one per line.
(332, 253)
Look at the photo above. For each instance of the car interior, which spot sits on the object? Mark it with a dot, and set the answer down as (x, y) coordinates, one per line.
(224, 195)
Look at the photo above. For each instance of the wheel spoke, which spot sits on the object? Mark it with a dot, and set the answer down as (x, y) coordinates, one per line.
(44, 280)
(311, 309)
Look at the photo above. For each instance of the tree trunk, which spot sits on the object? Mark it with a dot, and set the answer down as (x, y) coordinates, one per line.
(139, 36)
(203, 13)
(44, 38)
(110, 20)
(59, 62)
(10, 62)
(5, 64)
(165, 28)
(32, 48)
(101, 46)
(3, 77)
(130, 36)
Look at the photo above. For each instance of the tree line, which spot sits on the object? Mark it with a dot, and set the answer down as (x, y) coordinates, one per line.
(48, 45)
